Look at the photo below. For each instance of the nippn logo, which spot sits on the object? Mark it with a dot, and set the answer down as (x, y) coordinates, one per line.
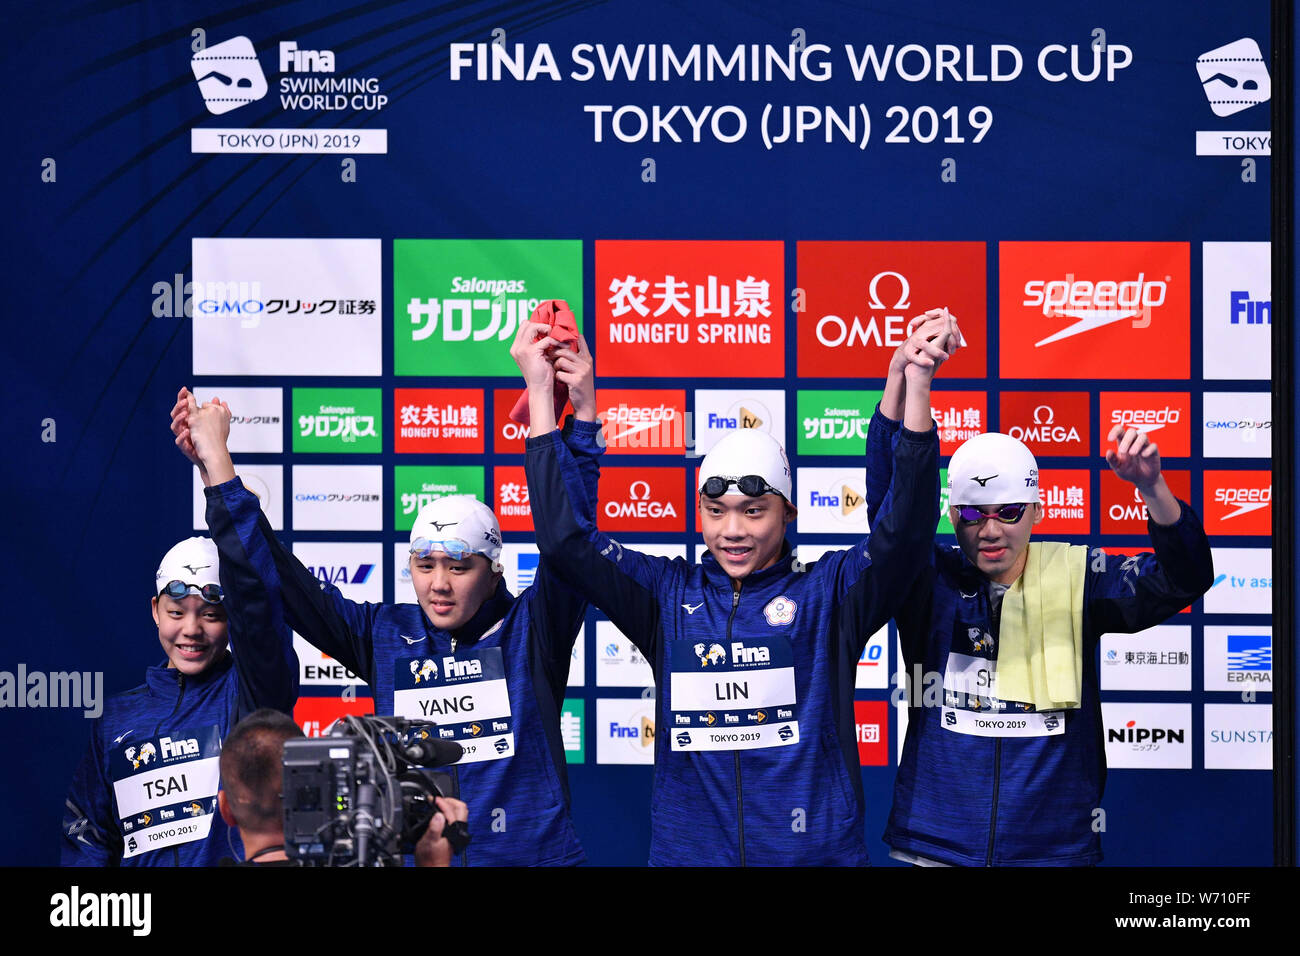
(145, 755)
(229, 75)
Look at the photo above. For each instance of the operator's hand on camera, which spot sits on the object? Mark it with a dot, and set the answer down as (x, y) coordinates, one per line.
(434, 849)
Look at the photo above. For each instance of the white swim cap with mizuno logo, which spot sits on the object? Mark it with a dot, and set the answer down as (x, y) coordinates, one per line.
(748, 452)
(456, 525)
(993, 469)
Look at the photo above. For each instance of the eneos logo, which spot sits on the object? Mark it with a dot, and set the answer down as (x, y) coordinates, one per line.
(1050, 423)
(858, 298)
(642, 499)
(643, 422)
(1238, 502)
(1122, 307)
(1164, 417)
(669, 308)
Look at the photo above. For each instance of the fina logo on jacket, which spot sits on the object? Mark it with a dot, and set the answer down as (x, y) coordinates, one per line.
(715, 654)
(779, 611)
(426, 670)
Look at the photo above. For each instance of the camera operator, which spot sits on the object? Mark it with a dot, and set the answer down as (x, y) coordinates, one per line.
(249, 798)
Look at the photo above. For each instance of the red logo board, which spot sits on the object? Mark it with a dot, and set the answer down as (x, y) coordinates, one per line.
(511, 498)
(642, 499)
(438, 420)
(1065, 497)
(315, 714)
(871, 718)
(1095, 310)
(959, 416)
(674, 308)
(643, 421)
(1164, 417)
(509, 436)
(1238, 502)
(1122, 509)
(1050, 423)
(861, 296)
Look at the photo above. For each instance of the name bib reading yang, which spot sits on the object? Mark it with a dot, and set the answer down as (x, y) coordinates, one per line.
(733, 695)
(971, 705)
(166, 788)
(466, 694)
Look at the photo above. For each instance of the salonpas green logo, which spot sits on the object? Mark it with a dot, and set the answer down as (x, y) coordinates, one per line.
(945, 495)
(572, 717)
(414, 486)
(459, 303)
(835, 422)
(338, 420)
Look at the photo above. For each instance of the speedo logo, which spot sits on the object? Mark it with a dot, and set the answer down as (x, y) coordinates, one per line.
(1146, 419)
(631, 419)
(1092, 304)
(1245, 500)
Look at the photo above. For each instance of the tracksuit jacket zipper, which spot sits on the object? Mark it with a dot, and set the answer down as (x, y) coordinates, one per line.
(740, 798)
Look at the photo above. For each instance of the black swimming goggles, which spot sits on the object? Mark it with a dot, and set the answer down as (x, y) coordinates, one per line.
(179, 590)
(751, 486)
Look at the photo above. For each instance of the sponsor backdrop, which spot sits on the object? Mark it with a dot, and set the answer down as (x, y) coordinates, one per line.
(339, 226)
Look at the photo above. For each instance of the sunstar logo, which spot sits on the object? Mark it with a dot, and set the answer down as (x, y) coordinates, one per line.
(1093, 304)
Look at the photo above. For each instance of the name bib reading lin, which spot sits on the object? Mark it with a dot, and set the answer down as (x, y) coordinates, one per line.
(733, 695)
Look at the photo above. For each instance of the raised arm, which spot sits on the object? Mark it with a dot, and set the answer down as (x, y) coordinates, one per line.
(266, 580)
(620, 582)
(1140, 591)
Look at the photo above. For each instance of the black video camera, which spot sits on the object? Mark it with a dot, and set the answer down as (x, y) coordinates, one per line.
(363, 794)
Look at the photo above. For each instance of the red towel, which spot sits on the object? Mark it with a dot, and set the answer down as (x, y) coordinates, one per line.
(564, 329)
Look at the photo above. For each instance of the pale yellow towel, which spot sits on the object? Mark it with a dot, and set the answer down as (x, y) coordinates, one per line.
(1040, 638)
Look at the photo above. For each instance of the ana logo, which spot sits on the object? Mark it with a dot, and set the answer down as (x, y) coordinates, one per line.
(779, 611)
(714, 654)
(229, 75)
(1245, 500)
(425, 670)
(1234, 77)
(145, 755)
